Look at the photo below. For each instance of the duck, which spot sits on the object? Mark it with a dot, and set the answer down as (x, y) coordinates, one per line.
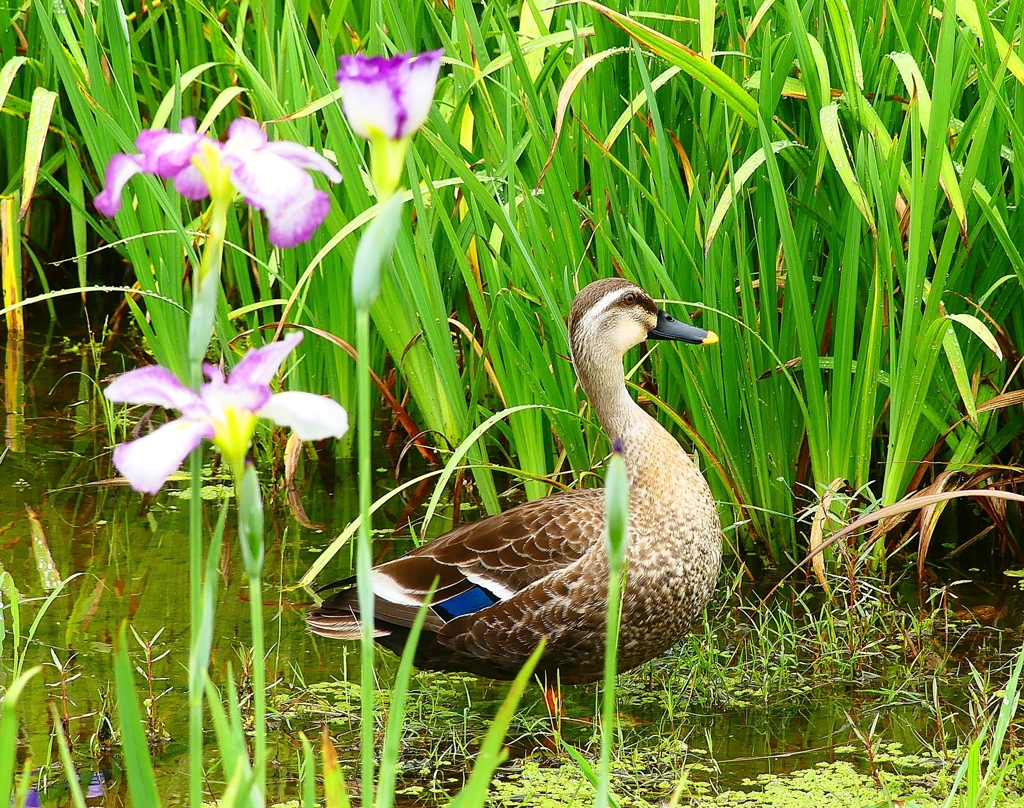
(539, 571)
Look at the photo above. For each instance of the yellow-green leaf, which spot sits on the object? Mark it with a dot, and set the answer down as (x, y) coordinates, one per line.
(705, 72)
(7, 75)
(163, 112)
(756, 20)
(967, 11)
(915, 84)
(845, 39)
(534, 22)
(222, 100)
(951, 346)
(10, 264)
(980, 330)
(821, 63)
(832, 133)
(572, 81)
(750, 165)
(995, 220)
(707, 28)
(636, 104)
(38, 124)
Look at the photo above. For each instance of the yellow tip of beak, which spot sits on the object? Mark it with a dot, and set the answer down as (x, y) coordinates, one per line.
(710, 339)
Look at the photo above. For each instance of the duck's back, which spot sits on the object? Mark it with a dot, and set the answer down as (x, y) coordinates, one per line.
(512, 549)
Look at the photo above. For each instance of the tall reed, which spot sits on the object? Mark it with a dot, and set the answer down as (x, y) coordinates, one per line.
(837, 197)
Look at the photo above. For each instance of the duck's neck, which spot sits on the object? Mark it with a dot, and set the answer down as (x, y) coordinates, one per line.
(647, 446)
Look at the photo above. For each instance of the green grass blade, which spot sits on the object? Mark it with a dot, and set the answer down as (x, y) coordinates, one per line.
(70, 775)
(617, 541)
(739, 179)
(9, 732)
(38, 125)
(587, 770)
(492, 752)
(137, 761)
(460, 452)
(387, 773)
(712, 77)
(8, 74)
(832, 134)
(951, 346)
(307, 774)
(1007, 710)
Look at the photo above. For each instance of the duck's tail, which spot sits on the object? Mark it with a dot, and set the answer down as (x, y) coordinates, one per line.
(338, 616)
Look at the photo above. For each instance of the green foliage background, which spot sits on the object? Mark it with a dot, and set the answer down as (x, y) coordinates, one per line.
(833, 187)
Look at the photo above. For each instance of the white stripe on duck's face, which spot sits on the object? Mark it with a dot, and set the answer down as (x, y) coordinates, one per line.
(618, 320)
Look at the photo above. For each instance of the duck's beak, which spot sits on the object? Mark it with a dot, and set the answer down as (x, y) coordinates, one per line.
(668, 327)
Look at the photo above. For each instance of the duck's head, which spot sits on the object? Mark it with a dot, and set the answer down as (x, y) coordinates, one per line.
(612, 315)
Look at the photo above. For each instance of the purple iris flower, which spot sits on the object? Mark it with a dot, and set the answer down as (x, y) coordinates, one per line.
(224, 411)
(390, 97)
(273, 177)
(96, 789)
(163, 153)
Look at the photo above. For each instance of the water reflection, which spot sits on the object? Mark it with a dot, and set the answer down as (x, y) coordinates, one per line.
(14, 392)
(96, 789)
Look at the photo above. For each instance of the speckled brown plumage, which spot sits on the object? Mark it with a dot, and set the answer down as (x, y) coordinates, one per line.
(544, 562)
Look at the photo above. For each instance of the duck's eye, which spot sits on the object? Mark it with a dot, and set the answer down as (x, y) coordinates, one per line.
(629, 297)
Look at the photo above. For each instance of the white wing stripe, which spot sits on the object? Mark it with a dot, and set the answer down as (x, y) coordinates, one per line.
(500, 591)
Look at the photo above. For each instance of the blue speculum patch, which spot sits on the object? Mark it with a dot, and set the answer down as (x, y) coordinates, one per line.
(474, 600)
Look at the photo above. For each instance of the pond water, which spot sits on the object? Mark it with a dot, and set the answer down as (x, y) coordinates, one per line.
(120, 556)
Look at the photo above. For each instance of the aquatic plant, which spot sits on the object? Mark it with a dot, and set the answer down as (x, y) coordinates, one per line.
(863, 269)
(385, 101)
(273, 178)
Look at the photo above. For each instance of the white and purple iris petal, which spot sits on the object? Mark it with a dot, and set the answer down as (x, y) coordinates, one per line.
(388, 96)
(147, 462)
(163, 153)
(210, 413)
(274, 178)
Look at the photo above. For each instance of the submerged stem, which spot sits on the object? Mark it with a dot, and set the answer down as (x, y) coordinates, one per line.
(259, 683)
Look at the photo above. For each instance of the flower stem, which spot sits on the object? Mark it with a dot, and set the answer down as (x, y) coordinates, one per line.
(200, 330)
(617, 538)
(205, 286)
(195, 679)
(259, 684)
(364, 562)
(387, 162)
(250, 534)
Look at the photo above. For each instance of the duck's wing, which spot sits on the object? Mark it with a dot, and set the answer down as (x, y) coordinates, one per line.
(475, 565)
(502, 553)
